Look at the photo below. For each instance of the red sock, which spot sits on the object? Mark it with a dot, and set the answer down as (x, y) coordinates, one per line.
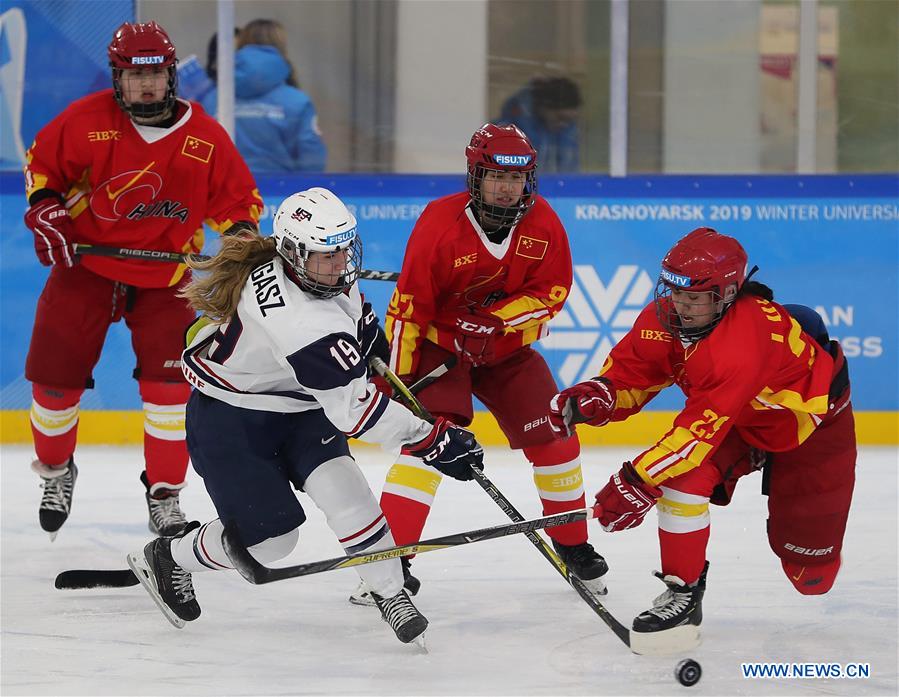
(683, 553)
(406, 517)
(560, 485)
(54, 423)
(165, 448)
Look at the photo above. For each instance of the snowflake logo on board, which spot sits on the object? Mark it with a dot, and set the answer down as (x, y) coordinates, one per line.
(595, 317)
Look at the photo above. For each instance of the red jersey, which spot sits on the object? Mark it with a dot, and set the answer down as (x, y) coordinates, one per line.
(451, 269)
(757, 372)
(142, 187)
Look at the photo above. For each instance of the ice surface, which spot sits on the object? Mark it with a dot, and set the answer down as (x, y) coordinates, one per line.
(502, 621)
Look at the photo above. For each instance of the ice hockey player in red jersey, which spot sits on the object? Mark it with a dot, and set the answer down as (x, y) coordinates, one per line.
(765, 389)
(132, 167)
(484, 271)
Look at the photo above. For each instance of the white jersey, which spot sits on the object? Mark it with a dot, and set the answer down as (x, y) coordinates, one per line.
(285, 350)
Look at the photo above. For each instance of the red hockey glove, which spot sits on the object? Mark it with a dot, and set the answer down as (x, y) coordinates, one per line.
(625, 500)
(449, 449)
(591, 402)
(49, 220)
(475, 334)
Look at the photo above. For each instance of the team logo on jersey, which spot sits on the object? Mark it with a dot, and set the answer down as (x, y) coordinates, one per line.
(301, 214)
(676, 279)
(465, 259)
(596, 316)
(531, 248)
(100, 136)
(197, 148)
(119, 195)
(147, 60)
(512, 160)
(656, 335)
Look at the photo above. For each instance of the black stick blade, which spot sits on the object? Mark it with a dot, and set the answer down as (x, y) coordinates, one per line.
(79, 579)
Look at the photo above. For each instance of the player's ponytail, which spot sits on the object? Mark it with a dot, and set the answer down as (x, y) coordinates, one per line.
(216, 290)
(759, 290)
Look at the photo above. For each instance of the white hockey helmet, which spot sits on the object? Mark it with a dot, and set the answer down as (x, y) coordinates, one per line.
(316, 221)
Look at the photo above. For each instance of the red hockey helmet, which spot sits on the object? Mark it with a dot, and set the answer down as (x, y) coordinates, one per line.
(703, 261)
(503, 149)
(142, 46)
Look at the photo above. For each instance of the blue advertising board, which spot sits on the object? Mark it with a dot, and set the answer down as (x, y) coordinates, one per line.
(830, 242)
(51, 53)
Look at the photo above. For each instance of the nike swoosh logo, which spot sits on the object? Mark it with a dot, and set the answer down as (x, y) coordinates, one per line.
(114, 194)
(325, 441)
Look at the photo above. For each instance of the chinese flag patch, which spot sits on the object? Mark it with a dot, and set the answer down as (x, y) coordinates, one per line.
(531, 248)
(197, 148)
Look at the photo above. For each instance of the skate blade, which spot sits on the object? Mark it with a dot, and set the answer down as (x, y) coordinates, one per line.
(364, 601)
(53, 535)
(140, 570)
(420, 644)
(667, 642)
(595, 586)
(362, 597)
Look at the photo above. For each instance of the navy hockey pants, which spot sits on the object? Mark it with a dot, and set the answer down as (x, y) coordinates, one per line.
(251, 461)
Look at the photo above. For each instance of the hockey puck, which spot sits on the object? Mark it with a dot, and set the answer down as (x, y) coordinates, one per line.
(688, 672)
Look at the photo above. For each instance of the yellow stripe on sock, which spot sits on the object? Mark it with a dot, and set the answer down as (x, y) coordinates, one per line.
(415, 478)
(570, 480)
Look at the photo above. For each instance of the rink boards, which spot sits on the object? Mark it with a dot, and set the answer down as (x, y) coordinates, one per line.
(831, 242)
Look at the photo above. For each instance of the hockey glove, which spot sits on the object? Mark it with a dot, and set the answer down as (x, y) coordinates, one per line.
(475, 334)
(625, 500)
(449, 449)
(49, 220)
(591, 402)
(371, 337)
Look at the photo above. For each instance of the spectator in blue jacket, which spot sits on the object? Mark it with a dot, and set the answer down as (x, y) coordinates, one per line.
(275, 121)
(547, 109)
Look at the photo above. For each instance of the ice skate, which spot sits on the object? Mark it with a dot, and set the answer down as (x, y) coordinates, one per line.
(166, 518)
(674, 618)
(56, 502)
(362, 594)
(403, 617)
(170, 586)
(584, 562)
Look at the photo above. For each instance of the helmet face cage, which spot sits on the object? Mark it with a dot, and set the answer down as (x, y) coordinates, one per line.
(313, 270)
(500, 149)
(142, 46)
(670, 319)
(500, 216)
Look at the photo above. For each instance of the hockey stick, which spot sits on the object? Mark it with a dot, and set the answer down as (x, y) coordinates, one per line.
(77, 579)
(438, 372)
(178, 258)
(509, 509)
(257, 573)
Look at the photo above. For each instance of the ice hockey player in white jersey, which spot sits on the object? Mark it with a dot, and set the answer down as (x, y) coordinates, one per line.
(278, 360)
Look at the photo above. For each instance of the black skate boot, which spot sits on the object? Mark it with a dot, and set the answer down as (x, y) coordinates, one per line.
(166, 518)
(582, 560)
(362, 594)
(56, 503)
(410, 582)
(170, 586)
(403, 617)
(674, 617)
